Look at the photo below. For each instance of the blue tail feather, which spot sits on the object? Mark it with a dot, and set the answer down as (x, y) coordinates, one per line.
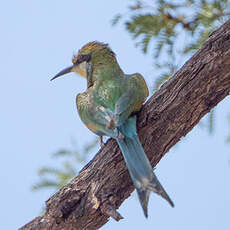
(139, 167)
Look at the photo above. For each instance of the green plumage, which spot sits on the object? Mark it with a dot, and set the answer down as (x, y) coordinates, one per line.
(107, 108)
(111, 98)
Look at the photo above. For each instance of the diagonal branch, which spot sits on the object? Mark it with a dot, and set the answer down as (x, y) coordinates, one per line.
(104, 183)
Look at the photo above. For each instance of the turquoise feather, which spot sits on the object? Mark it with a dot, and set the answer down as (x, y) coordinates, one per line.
(139, 167)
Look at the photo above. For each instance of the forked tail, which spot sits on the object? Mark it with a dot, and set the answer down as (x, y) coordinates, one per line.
(139, 167)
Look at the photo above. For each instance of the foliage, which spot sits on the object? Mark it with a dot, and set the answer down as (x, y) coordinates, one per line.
(57, 177)
(173, 28)
(172, 31)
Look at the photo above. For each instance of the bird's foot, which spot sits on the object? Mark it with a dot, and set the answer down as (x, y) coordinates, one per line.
(102, 144)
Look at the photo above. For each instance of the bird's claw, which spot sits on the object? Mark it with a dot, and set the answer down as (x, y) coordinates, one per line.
(102, 144)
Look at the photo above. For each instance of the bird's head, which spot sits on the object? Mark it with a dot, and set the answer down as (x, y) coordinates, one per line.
(94, 54)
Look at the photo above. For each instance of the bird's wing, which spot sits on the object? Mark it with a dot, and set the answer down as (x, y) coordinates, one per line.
(132, 99)
(103, 120)
(95, 117)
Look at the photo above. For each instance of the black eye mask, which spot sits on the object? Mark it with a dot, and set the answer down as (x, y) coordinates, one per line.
(83, 58)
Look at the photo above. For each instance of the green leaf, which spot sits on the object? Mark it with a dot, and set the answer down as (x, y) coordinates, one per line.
(116, 19)
(61, 153)
(44, 184)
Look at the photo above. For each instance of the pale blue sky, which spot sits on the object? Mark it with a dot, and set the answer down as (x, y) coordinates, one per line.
(38, 39)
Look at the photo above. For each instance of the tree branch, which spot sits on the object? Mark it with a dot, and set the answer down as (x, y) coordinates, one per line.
(104, 183)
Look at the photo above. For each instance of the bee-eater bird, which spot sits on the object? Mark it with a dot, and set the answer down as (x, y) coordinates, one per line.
(108, 108)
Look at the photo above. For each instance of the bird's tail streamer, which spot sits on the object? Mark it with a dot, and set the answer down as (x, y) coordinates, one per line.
(139, 167)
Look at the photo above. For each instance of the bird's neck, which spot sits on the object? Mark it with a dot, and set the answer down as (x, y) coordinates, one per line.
(105, 71)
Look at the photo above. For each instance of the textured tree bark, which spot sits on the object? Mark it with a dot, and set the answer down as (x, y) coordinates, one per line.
(104, 183)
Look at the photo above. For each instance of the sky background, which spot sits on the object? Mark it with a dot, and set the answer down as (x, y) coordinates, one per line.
(38, 117)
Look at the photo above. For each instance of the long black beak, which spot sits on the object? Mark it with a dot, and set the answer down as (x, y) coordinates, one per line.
(64, 71)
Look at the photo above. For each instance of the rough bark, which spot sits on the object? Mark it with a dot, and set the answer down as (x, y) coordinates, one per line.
(104, 183)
